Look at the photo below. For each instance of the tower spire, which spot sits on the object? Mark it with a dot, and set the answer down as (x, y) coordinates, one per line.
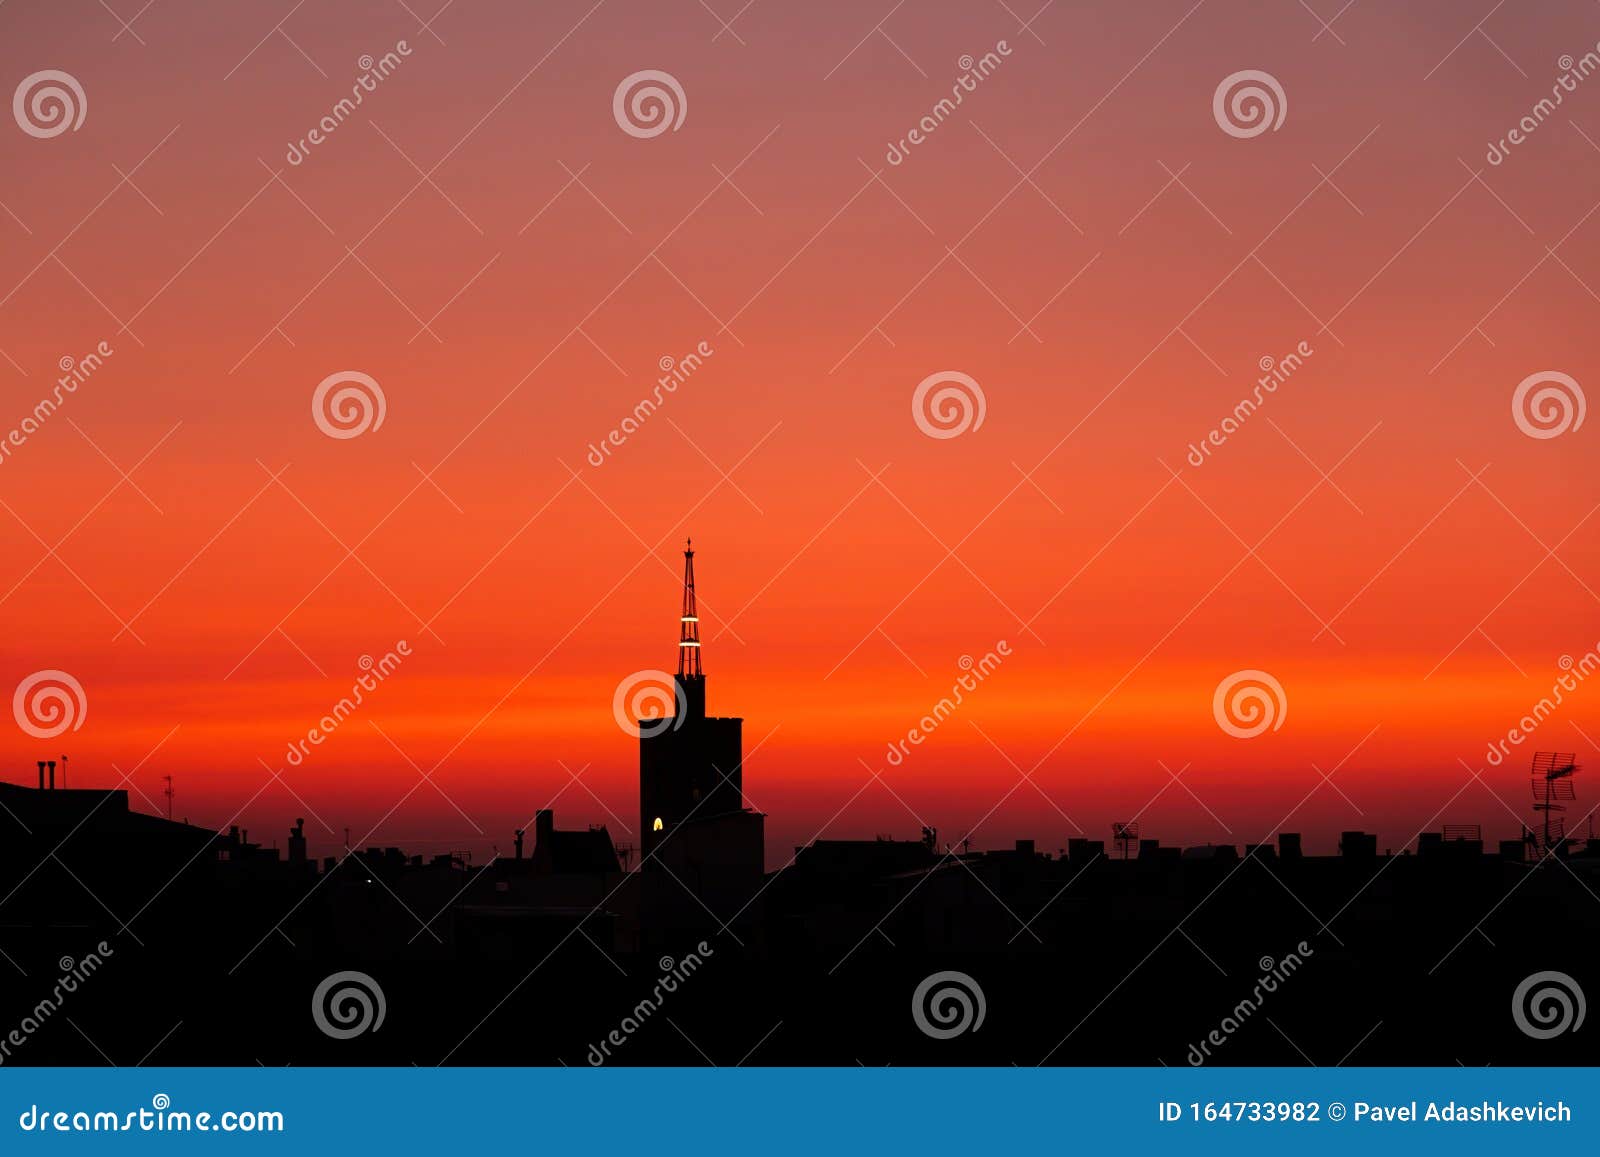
(689, 632)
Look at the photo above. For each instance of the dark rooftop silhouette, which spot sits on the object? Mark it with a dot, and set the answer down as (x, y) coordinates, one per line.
(1086, 955)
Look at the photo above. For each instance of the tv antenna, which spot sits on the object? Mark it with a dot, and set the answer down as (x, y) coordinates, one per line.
(168, 794)
(1552, 791)
(1125, 836)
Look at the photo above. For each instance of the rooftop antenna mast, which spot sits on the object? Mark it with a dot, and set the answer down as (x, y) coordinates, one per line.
(1552, 791)
(167, 793)
(689, 635)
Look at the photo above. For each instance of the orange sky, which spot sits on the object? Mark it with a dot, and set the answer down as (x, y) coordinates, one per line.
(514, 307)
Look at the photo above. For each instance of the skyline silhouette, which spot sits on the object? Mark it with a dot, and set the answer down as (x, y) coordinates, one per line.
(668, 714)
(846, 922)
(230, 538)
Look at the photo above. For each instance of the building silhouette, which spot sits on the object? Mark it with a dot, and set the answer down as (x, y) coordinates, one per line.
(690, 764)
(694, 826)
(555, 851)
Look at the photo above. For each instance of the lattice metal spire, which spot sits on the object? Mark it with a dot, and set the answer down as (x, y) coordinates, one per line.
(689, 634)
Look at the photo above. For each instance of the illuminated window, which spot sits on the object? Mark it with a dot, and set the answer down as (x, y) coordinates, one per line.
(657, 826)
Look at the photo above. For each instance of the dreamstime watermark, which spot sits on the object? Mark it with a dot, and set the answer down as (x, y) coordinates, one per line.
(49, 703)
(49, 103)
(1249, 102)
(1248, 703)
(948, 404)
(976, 671)
(374, 672)
(1572, 72)
(348, 404)
(1575, 671)
(159, 1118)
(74, 373)
(1273, 974)
(1548, 1004)
(347, 1004)
(648, 103)
(973, 72)
(1548, 404)
(642, 700)
(73, 974)
(673, 973)
(373, 72)
(674, 372)
(1274, 372)
(948, 1004)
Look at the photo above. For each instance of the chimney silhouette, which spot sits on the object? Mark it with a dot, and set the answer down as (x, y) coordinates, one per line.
(544, 839)
(520, 833)
(41, 775)
(52, 765)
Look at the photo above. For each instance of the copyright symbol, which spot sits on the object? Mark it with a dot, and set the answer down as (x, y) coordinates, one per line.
(1336, 1112)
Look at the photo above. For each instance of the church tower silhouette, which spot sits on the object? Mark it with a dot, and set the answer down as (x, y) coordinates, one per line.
(690, 764)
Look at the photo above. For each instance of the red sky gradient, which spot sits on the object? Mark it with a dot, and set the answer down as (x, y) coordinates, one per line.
(834, 615)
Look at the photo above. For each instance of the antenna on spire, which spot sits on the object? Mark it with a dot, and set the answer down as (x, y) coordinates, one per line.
(689, 634)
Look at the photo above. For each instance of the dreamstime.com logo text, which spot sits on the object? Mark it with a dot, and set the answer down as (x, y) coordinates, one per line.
(1574, 672)
(74, 373)
(73, 974)
(973, 72)
(373, 672)
(1273, 974)
(1274, 372)
(975, 672)
(1572, 72)
(673, 973)
(159, 1118)
(674, 372)
(373, 72)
